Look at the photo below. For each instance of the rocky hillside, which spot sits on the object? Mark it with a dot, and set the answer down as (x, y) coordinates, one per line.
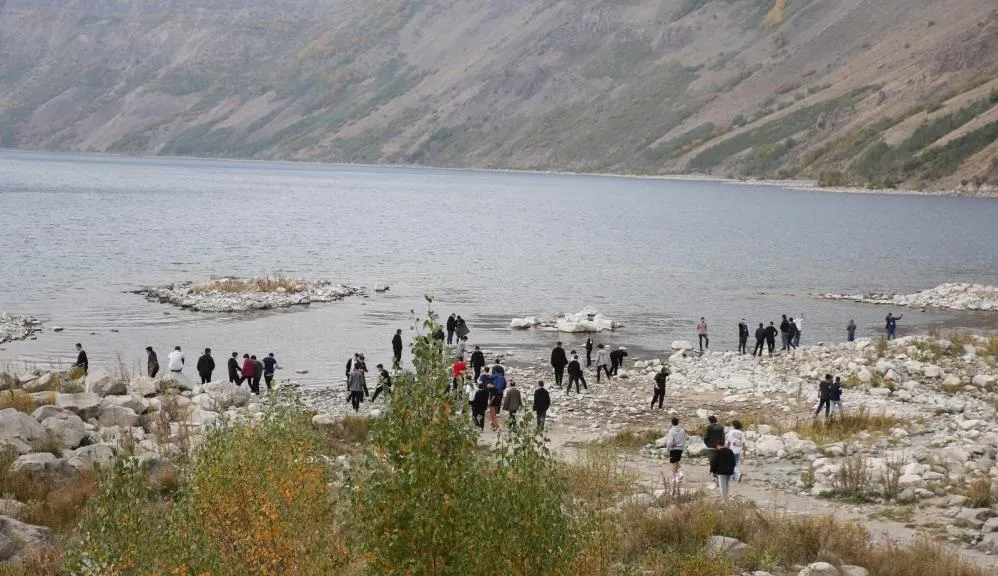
(857, 92)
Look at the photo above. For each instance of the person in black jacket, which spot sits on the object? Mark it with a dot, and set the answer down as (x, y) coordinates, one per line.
(234, 369)
(558, 362)
(760, 339)
(742, 336)
(660, 379)
(477, 362)
(575, 375)
(451, 325)
(825, 395)
(771, 333)
(617, 359)
(397, 349)
(206, 365)
(722, 466)
(479, 406)
(81, 358)
(542, 401)
(589, 351)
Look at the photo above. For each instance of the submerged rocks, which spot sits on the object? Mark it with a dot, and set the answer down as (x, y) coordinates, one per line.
(245, 294)
(586, 320)
(14, 327)
(953, 296)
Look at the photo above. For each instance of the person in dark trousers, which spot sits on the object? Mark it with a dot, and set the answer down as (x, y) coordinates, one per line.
(892, 325)
(771, 333)
(247, 373)
(205, 366)
(602, 362)
(542, 401)
(785, 332)
(793, 336)
(742, 336)
(477, 362)
(660, 380)
(589, 352)
(824, 395)
(397, 349)
(269, 367)
(713, 437)
(480, 405)
(451, 325)
(384, 383)
(617, 359)
(81, 358)
(152, 362)
(257, 375)
(558, 361)
(512, 402)
(234, 369)
(357, 385)
(575, 375)
(851, 331)
(722, 466)
(760, 339)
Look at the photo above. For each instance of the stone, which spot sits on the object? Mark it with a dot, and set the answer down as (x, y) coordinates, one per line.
(85, 405)
(730, 548)
(227, 395)
(67, 427)
(118, 416)
(143, 386)
(101, 383)
(89, 456)
(819, 569)
(20, 431)
(26, 537)
(972, 517)
(41, 463)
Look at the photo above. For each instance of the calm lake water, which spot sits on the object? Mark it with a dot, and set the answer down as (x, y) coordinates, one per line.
(77, 232)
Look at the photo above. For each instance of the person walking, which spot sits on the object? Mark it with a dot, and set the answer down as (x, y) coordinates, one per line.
(617, 359)
(785, 333)
(675, 444)
(234, 369)
(702, 335)
(512, 402)
(205, 366)
(602, 362)
(397, 350)
(743, 334)
(771, 333)
(760, 339)
(357, 385)
(558, 361)
(575, 375)
(477, 362)
(384, 383)
(152, 362)
(735, 440)
(81, 359)
(249, 366)
(799, 329)
(479, 406)
(712, 437)
(723, 468)
(892, 325)
(824, 395)
(542, 401)
(257, 375)
(175, 361)
(835, 396)
(851, 331)
(451, 324)
(269, 367)
(659, 393)
(589, 351)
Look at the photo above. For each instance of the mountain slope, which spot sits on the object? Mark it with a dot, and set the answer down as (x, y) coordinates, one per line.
(861, 92)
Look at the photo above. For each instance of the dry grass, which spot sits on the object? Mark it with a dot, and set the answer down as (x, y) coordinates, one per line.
(18, 400)
(240, 286)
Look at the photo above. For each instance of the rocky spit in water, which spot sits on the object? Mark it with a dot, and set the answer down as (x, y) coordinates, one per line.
(13, 327)
(245, 294)
(952, 296)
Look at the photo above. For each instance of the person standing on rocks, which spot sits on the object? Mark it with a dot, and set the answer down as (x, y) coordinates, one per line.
(152, 362)
(675, 444)
(357, 385)
(234, 369)
(702, 335)
(602, 362)
(617, 359)
(384, 383)
(269, 367)
(589, 351)
(480, 405)
(892, 325)
(660, 380)
(799, 325)
(785, 333)
(735, 441)
(835, 396)
(713, 437)
(81, 359)
(771, 333)
(824, 395)
(397, 349)
(451, 324)
(742, 336)
(512, 402)
(722, 466)
(851, 331)
(248, 367)
(205, 366)
(575, 375)
(558, 361)
(477, 362)
(542, 401)
(175, 361)
(760, 338)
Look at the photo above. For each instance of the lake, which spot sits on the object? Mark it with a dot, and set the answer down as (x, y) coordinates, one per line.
(79, 232)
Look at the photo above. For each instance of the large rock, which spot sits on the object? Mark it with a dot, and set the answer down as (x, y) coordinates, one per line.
(40, 463)
(20, 431)
(101, 383)
(89, 456)
(819, 569)
(118, 416)
(67, 427)
(143, 386)
(26, 537)
(730, 548)
(85, 405)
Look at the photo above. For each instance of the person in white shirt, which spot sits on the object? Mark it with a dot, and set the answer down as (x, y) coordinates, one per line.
(675, 443)
(176, 360)
(736, 442)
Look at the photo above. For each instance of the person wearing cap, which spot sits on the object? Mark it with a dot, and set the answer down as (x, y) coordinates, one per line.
(152, 362)
(206, 365)
(617, 359)
(384, 383)
(558, 361)
(234, 369)
(175, 361)
(269, 366)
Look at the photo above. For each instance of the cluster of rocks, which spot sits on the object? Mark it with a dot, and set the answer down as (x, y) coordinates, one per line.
(588, 319)
(951, 296)
(204, 298)
(13, 327)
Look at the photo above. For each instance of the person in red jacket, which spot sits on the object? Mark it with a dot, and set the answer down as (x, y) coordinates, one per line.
(249, 366)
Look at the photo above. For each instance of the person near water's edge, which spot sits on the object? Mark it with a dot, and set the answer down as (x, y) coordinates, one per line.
(81, 359)
(771, 333)
(589, 351)
(542, 401)
(397, 349)
(892, 325)
(851, 331)
(575, 375)
(558, 361)
(357, 385)
(617, 359)
(152, 362)
(743, 334)
(702, 337)
(760, 339)
(824, 395)
(269, 367)
(384, 383)
(175, 361)
(234, 369)
(451, 324)
(785, 332)
(799, 329)
(660, 380)
(477, 362)
(205, 366)
(602, 362)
